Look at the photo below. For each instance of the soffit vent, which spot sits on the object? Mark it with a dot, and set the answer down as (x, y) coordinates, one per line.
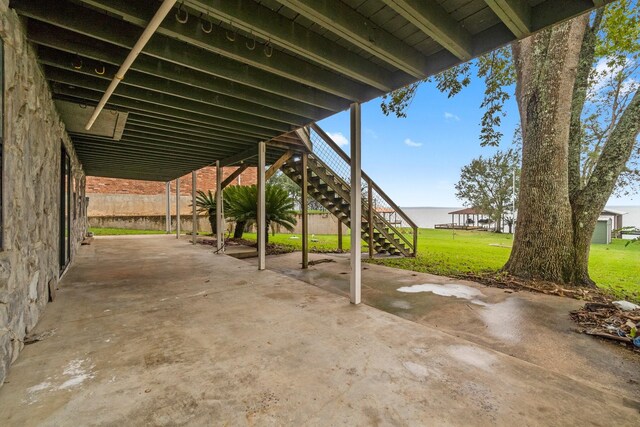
(110, 123)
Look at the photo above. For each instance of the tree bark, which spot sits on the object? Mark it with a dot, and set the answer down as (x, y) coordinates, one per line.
(212, 222)
(546, 66)
(238, 231)
(587, 56)
(591, 200)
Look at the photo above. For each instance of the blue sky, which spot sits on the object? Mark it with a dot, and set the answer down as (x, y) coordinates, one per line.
(417, 159)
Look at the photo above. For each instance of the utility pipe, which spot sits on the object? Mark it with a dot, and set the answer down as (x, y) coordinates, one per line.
(153, 25)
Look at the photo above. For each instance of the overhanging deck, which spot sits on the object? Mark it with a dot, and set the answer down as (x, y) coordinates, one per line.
(220, 76)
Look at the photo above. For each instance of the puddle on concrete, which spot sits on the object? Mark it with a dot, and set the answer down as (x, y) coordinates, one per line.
(448, 290)
(504, 320)
(473, 356)
(401, 304)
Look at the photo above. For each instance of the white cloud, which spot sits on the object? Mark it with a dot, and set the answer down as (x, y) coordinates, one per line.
(372, 134)
(605, 75)
(450, 117)
(412, 143)
(338, 138)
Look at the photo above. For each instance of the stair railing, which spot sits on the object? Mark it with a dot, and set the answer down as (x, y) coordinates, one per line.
(383, 209)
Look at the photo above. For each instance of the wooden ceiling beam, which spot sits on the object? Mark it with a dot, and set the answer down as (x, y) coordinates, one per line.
(152, 146)
(132, 104)
(240, 157)
(236, 173)
(222, 116)
(342, 20)
(171, 33)
(430, 18)
(515, 14)
(62, 60)
(265, 25)
(108, 29)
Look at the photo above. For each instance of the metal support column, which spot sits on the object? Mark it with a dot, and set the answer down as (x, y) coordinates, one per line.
(370, 219)
(356, 205)
(262, 220)
(177, 208)
(168, 209)
(305, 214)
(194, 225)
(219, 203)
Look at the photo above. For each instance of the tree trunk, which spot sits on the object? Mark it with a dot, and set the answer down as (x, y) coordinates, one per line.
(558, 213)
(238, 231)
(546, 66)
(213, 223)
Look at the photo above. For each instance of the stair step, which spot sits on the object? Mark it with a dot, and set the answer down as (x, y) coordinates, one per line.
(327, 188)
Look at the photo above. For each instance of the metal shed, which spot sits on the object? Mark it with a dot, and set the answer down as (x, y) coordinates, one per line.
(603, 231)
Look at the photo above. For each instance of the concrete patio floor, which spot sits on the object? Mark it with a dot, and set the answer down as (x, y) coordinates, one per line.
(532, 327)
(155, 331)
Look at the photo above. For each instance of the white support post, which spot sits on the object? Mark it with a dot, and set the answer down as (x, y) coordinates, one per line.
(262, 221)
(219, 225)
(305, 212)
(356, 205)
(177, 208)
(168, 209)
(194, 225)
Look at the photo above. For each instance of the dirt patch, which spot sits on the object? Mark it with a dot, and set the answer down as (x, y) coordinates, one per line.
(605, 320)
(505, 281)
(271, 249)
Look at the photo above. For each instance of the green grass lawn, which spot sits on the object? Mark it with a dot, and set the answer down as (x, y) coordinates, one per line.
(443, 252)
(318, 242)
(121, 231)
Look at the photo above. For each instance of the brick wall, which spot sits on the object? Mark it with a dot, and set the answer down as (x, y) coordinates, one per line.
(206, 181)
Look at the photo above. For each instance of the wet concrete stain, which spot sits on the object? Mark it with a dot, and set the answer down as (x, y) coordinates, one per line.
(448, 290)
(504, 320)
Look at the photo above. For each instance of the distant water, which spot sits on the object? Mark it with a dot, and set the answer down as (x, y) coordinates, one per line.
(427, 217)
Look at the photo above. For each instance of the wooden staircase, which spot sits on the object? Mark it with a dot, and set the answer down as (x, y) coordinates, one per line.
(333, 193)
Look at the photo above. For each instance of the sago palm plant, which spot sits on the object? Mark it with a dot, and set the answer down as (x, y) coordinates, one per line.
(206, 202)
(242, 206)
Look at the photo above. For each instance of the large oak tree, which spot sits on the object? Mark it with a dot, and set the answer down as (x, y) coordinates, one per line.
(579, 101)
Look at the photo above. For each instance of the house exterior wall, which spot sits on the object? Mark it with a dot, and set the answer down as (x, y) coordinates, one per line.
(150, 222)
(121, 197)
(142, 205)
(32, 140)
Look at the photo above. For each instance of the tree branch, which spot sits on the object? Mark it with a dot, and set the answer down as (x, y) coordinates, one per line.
(581, 86)
(614, 156)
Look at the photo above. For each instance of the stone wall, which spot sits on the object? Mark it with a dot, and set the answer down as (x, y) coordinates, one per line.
(33, 135)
